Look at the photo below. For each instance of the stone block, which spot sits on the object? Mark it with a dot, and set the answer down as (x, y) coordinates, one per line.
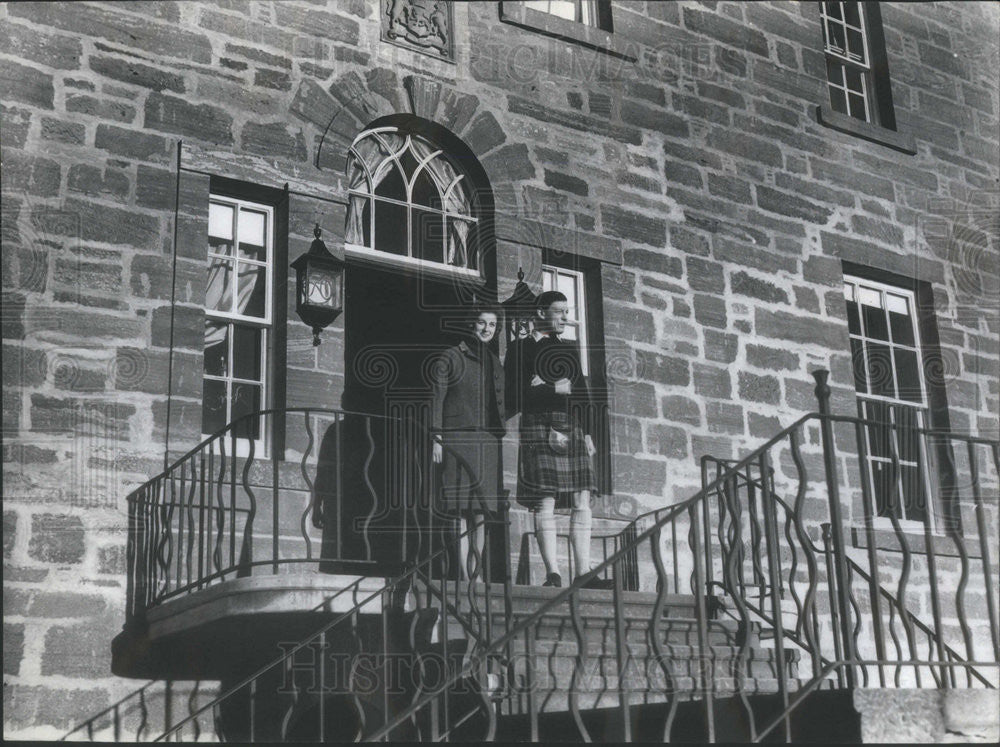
(689, 241)
(794, 207)
(484, 134)
(131, 144)
(188, 327)
(577, 121)
(111, 560)
(26, 85)
(639, 476)
(711, 381)
(274, 140)
(661, 262)
(72, 415)
(509, 163)
(62, 708)
(640, 115)
(710, 311)
(629, 323)
(56, 538)
(720, 346)
(13, 648)
(776, 359)
(119, 28)
(662, 369)
(728, 32)
(9, 532)
(128, 71)
(566, 183)
(79, 650)
(705, 275)
(762, 426)
(322, 23)
(31, 174)
(258, 55)
(628, 224)
(65, 604)
(204, 122)
(94, 182)
(70, 133)
(698, 108)
(52, 50)
(747, 285)
(750, 148)
(853, 179)
(681, 409)
(765, 389)
(800, 328)
(23, 366)
(109, 225)
(682, 173)
(724, 417)
(274, 79)
(729, 187)
(634, 398)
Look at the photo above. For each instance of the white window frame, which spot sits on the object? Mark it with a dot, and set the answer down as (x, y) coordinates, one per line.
(372, 253)
(584, 11)
(261, 444)
(845, 59)
(852, 286)
(578, 315)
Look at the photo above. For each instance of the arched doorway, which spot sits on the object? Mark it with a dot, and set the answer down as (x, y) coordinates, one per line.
(420, 251)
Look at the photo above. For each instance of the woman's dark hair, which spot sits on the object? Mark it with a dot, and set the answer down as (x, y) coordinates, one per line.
(548, 298)
(473, 312)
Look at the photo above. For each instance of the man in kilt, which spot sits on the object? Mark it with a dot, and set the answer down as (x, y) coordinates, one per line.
(545, 384)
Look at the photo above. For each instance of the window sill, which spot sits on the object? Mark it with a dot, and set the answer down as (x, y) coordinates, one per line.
(901, 141)
(518, 14)
(410, 264)
(888, 540)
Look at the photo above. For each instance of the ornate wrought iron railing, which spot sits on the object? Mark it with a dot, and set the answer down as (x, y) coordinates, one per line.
(199, 523)
(346, 492)
(768, 533)
(144, 713)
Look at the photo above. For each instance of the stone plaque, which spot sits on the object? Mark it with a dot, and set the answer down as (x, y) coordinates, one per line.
(423, 25)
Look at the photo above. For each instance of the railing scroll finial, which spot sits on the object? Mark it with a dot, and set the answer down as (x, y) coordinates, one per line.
(822, 390)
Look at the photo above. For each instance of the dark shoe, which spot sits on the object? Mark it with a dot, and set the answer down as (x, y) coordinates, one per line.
(599, 583)
(553, 579)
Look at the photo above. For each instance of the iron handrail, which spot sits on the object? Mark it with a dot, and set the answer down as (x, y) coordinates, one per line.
(665, 515)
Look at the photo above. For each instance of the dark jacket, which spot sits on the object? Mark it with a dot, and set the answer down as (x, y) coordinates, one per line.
(551, 358)
(461, 398)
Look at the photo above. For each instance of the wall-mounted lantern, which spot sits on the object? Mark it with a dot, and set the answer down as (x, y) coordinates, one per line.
(519, 310)
(319, 283)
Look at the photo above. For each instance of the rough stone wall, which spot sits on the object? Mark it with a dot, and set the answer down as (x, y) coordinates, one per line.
(697, 175)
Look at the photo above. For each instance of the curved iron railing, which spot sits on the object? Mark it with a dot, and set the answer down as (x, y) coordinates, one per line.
(767, 534)
(347, 492)
(433, 605)
(792, 549)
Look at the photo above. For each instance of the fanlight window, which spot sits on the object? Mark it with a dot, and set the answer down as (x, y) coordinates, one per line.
(407, 199)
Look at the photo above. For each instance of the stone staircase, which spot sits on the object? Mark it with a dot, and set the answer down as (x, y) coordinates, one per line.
(545, 656)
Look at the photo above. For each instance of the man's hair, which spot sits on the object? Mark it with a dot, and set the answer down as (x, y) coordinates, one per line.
(548, 298)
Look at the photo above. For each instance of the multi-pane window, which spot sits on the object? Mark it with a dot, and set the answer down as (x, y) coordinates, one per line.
(407, 199)
(570, 284)
(237, 313)
(848, 59)
(888, 377)
(580, 11)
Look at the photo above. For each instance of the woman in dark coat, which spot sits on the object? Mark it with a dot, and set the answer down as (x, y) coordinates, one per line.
(467, 417)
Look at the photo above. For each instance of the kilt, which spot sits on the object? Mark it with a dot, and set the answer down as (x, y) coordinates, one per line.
(541, 472)
(474, 486)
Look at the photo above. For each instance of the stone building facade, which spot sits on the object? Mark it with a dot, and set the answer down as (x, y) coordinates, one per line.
(683, 168)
